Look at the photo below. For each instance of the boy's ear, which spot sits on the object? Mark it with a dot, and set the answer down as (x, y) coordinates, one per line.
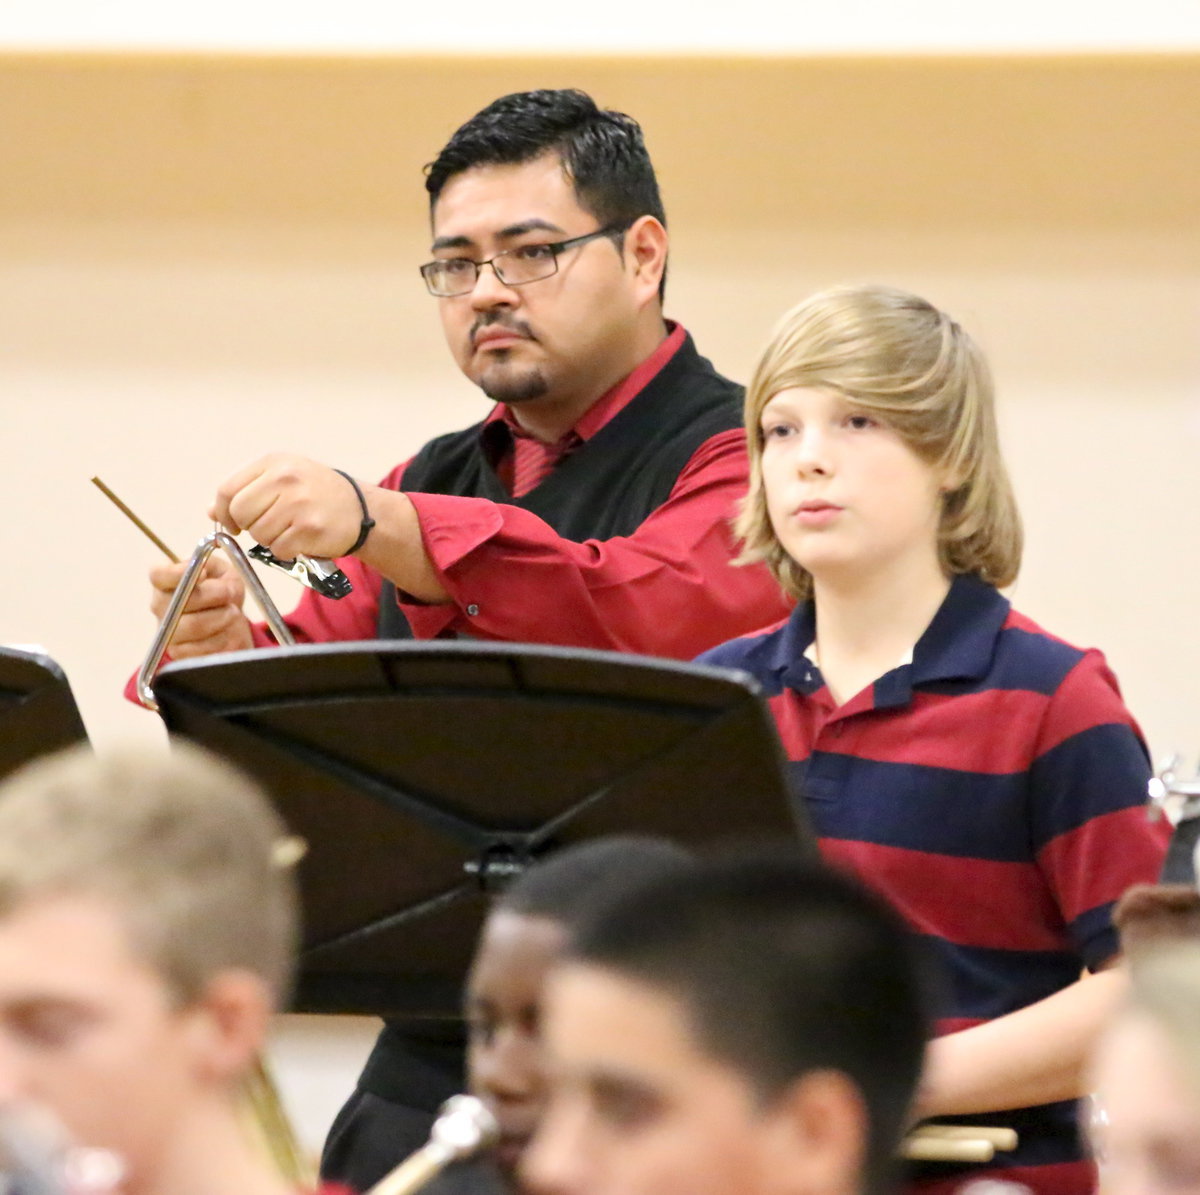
(818, 1137)
(230, 1020)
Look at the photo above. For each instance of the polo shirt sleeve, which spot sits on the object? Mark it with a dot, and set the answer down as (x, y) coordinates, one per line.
(1091, 834)
(668, 589)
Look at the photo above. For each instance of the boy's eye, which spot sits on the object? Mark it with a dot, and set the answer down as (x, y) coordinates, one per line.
(625, 1108)
(776, 431)
(859, 422)
(51, 1026)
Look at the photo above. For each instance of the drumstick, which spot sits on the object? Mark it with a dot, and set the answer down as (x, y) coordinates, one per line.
(158, 543)
(1000, 1136)
(946, 1149)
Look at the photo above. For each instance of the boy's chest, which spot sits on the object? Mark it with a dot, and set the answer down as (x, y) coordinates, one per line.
(942, 775)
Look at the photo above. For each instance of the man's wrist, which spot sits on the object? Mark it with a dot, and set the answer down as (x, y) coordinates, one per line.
(367, 522)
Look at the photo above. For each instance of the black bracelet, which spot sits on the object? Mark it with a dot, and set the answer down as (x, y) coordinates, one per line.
(367, 522)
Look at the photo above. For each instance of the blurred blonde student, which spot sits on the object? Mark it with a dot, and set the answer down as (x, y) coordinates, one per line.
(147, 932)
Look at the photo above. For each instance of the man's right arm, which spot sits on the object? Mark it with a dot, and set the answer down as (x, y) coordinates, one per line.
(215, 622)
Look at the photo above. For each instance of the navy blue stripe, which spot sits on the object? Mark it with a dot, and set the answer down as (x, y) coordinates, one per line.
(1031, 660)
(982, 983)
(753, 654)
(1096, 935)
(970, 815)
(1111, 751)
(1024, 662)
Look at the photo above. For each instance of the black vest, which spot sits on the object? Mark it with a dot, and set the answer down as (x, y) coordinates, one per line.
(609, 485)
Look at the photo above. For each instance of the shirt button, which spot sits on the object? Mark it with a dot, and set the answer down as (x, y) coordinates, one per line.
(472, 609)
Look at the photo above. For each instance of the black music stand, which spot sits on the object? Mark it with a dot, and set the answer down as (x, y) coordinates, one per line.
(38, 713)
(423, 775)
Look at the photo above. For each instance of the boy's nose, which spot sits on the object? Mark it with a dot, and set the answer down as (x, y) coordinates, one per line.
(812, 453)
(508, 1069)
(555, 1160)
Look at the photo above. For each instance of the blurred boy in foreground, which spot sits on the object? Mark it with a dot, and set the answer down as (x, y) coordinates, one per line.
(147, 933)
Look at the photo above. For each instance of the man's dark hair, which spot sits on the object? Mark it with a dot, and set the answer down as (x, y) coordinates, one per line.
(577, 882)
(782, 967)
(603, 152)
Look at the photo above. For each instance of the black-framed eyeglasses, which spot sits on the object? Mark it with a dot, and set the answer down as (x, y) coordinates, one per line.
(453, 276)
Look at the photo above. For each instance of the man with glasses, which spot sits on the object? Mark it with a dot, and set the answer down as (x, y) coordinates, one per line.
(590, 508)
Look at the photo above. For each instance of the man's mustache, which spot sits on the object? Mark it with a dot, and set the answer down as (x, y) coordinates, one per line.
(496, 319)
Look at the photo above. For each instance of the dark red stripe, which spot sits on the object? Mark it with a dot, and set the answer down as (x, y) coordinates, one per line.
(967, 901)
(1062, 1178)
(1071, 713)
(1081, 888)
(936, 731)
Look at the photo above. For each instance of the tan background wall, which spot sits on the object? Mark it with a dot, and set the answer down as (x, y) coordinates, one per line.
(207, 257)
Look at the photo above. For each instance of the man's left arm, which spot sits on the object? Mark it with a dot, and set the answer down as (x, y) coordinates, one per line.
(1036, 1055)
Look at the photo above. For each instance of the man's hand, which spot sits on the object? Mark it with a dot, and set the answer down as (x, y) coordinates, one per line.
(291, 505)
(213, 620)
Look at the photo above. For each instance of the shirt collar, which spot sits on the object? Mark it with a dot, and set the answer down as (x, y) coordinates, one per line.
(958, 644)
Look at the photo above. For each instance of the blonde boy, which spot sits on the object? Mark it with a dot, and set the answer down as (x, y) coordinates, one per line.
(983, 775)
(147, 930)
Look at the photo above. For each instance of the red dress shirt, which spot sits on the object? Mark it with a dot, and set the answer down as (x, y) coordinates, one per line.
(668, 589)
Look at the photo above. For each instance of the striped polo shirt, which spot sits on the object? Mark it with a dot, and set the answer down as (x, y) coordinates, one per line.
(993, 788)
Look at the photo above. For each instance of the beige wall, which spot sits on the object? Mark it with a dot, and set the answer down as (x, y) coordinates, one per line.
(205, 258)
(202, 259)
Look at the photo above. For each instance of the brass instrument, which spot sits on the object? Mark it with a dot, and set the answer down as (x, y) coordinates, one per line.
(37, 1157)
(463, 1127)
(1179, 802)
(271, 1128)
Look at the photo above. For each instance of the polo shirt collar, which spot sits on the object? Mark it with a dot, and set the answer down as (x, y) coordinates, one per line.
(957, 645)
(961, 640)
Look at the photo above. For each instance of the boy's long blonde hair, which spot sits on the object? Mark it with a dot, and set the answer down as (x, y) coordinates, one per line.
(899, 357)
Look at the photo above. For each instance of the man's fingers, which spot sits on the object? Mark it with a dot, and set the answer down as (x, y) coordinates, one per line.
(168, 576)
(198, 626)
(233, 487)
(231, 634)
(219, 587)
(165, 577)
(260, 512)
